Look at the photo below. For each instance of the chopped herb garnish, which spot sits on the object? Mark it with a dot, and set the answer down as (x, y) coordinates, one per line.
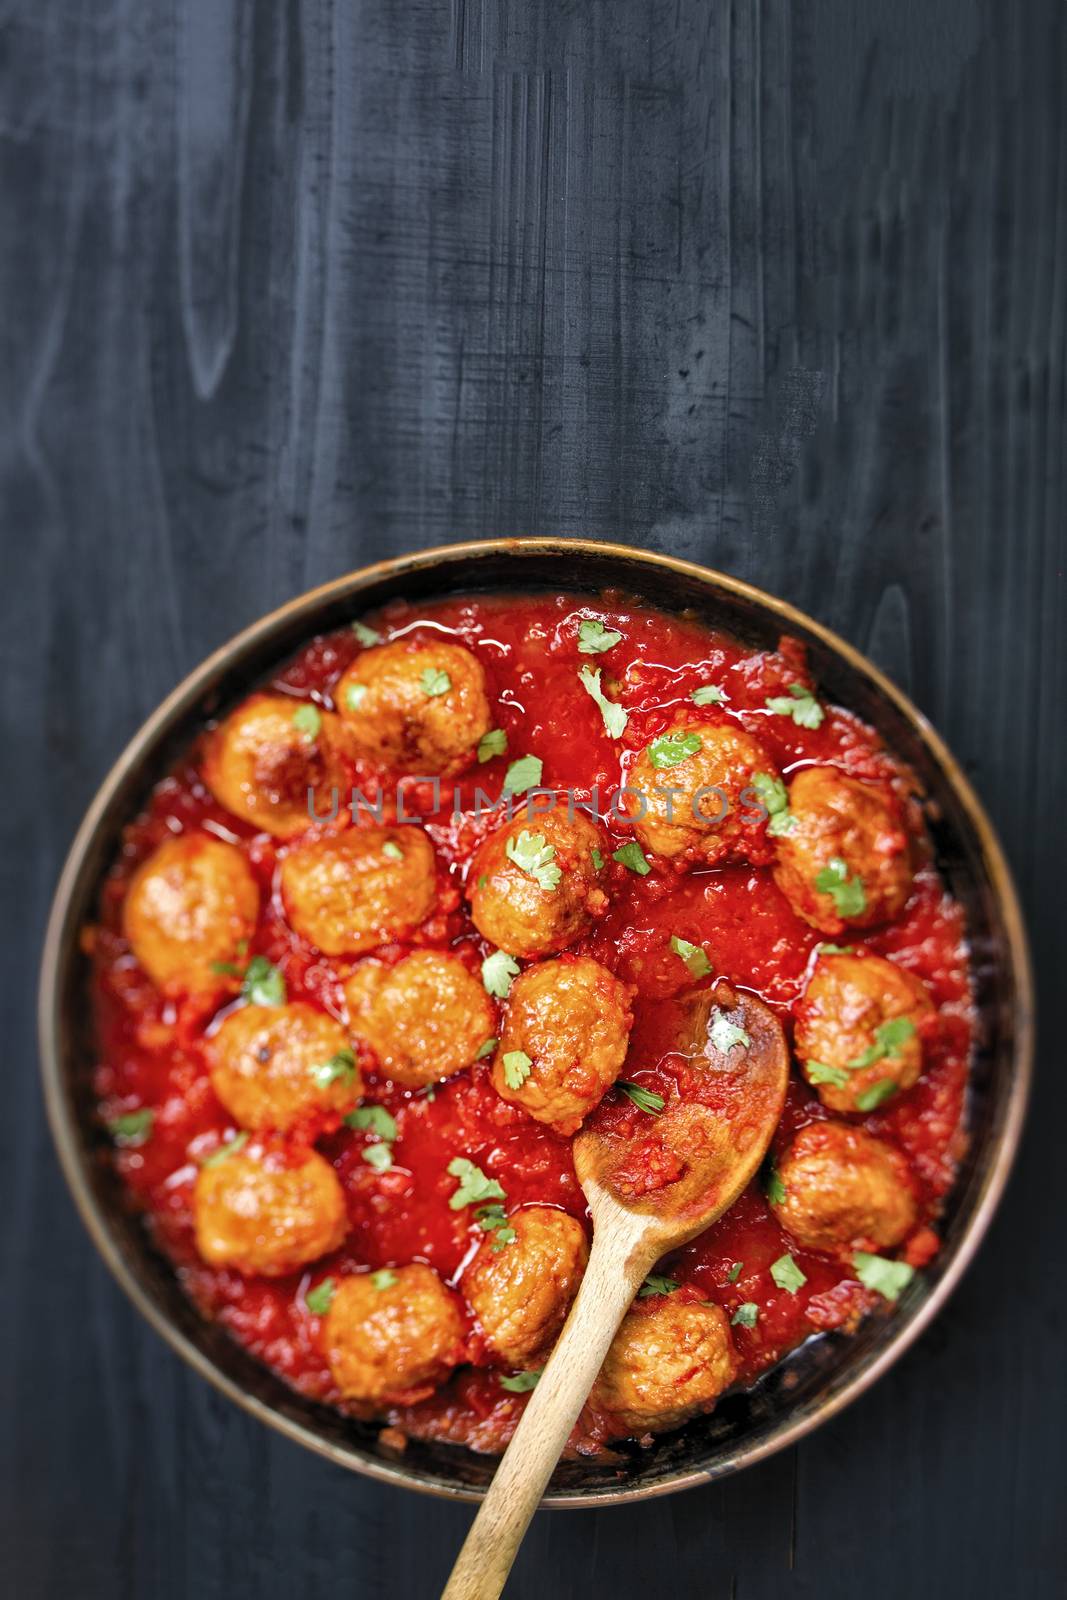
(521, 1382)
(517, 1068)
(655, 1283)
(848, 894)
(523, 774)
(593, 637)
(308, 719)
(474, 1187)
(787, 1275)
(819, 1072)
(373, 1119)
(493, 1219)
(887, 1278)
(631, 855)
(644, 1099)
(366, 635)
(597, 859)
(876, 1095)
(709, 694)
(319, 1299)
(392, 851)
(888, 1039)
(673, 748)
(487, 1049)
(227, 969)
(694, 957)
(773, 1187)
(746, 1316)
(483, 879)
(734, 1272)
(355, 694)
(772, 792)
(341, 1068)
(724, 1035)
(230, 1148)
(800, 704)
(615, 716)
(434, 682)
(263, 983)
(133, 1127)
(835, 949)
(533, 855)
(493, 743)
(498, 973)
(384, 1278)
(378, 1156)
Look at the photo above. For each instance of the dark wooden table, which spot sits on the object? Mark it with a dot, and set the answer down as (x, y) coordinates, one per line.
(289, 287)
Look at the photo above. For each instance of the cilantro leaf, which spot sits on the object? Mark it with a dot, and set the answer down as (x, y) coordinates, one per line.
(263, 983)
(308, 719)
(671, 749)
(224, 1151)
(493, 743)
(615, 716)
(734, 1272)
(773, 1187)
(724, 1034)
(746, 1316)
(392, 851)
(365, 635)
(800, 704)
(597, 859)
(889, 1036)
(835, 949)
(319, 1299)
(341, 1068)
(517, 1068)
(434, 682)
(474, 1187)
(493, 1219)
(819, 1072)
(521, 1382)
(593, 637)
(694, 957)
(887, 1278)
(709, 694)
(378, 1156)
(655, 1283)
(486, 1049)
(877, 1094)
(631, 855)
(787, 1275)
(373, 1119)
(133, 1127)
(355, 694)
(848, 894)
(498, 973)
(384, 1278)
(775, 798)
(644, 1099)
(533, 855)
(523, 774)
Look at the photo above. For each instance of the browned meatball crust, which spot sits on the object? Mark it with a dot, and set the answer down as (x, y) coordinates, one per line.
(262, 761)
(350, 892)
(674, 809)
(846, 861)
(424, 1018)
(537, 912)
(391, 1337)
(190, 908)
(670, 1360)
(415, 708)
(521, 1291)
(858, 1031)
(264, 1218)
(275, 1066)
(571, 1020)
(845, 1190)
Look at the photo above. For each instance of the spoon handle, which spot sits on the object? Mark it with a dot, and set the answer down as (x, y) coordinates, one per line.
(617, 1265)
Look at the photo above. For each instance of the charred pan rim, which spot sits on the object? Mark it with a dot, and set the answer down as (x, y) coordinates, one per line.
(521, 565)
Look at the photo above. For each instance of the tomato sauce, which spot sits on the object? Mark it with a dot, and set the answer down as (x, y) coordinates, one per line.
(151, 1055)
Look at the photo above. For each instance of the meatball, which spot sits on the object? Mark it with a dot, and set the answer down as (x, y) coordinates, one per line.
(696, 807)
(277, 763)
(844, 1190)
(262, 1218)
(425, 1018)
(350, 892)
(533, 884)
(415, 708)
(190, 907)
(564, 1040)
(521, 1291)
(670, 1360)
(274, 1066)
(858, 1030)
(846, 861)
(392, 1337)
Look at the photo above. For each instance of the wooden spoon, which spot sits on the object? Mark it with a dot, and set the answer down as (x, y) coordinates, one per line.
(708, 1147)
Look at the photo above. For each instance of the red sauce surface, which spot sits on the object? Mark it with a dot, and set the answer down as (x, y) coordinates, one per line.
(150, 1051)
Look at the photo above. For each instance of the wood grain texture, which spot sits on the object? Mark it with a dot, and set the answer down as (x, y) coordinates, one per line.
(778, 286)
